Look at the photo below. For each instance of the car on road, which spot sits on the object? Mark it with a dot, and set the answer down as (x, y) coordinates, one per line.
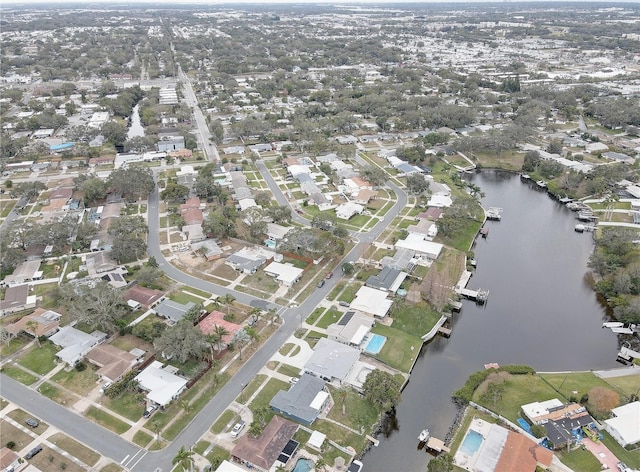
(293, 380)
(33, 452)
(32, 422)
(321, 283)
(329, 275)
(237, 428)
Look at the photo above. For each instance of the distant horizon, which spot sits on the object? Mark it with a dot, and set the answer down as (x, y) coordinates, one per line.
(376, 3)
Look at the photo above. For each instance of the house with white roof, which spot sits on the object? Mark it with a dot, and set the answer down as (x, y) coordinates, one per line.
(351, 328)
(420, 246)
(625, 425)
(331, 360)
(286, 274)
(372, 301)
(161, 383)
(346, 210)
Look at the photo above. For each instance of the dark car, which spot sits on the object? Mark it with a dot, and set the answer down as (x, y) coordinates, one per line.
(32, 422)
(321, 283)
(33, 452)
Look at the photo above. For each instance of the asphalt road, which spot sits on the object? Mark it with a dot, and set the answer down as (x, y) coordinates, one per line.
(209, 148)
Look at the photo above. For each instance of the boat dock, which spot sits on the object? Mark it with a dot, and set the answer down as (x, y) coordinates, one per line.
(479, 295)
(437, 445)
(445, 332)
(484, 231)
(580, 228)
(627, 355)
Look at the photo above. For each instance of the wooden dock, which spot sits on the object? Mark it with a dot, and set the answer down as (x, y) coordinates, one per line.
(479, 295)
(494, 213)
(445, 332)
(437, 445)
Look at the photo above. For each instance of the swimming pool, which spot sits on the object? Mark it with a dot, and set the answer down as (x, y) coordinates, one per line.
(374, 346)
(471, 442)
(303, 465)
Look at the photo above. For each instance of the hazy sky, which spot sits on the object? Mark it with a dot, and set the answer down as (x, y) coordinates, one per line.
(326, 2)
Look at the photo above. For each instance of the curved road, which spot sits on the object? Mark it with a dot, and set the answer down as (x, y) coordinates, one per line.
(129, 455)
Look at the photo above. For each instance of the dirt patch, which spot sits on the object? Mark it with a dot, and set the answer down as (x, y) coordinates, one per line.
(8, 432)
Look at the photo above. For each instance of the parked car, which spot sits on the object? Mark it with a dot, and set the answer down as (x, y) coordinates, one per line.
(329, 275)
(33, 452)
(237, 428)
(321, 283)
(149, 411)
(32, 422)
(293, 380)
(105, 387)
(341, 303)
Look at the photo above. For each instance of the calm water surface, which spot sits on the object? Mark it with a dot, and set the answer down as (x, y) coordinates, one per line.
(136, 128)
(540, 312)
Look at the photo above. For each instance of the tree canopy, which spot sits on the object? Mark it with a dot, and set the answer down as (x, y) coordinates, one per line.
(382, 390)
(131, 182)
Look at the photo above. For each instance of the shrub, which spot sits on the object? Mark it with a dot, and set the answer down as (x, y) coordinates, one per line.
(11, 445)
(80, 366)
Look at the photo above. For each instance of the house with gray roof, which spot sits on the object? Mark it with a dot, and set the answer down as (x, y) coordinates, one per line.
(303, 402)
(249, 259)
(173, 311)
(388, 280)
(75, 344)
(331, 360)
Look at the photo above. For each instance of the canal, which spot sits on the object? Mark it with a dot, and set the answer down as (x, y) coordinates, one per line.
(540, 312)
(135, 126)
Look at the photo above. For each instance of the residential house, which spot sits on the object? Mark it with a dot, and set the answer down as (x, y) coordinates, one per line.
(24, 272)
(372, 301)
(625, 424)
(146, 297)
(276, 232)
(364, 196)
(173, 311)
(249, 259)
(171, 143)
(75, 343)
(563, 432)
(286, 274)
(17, 298)
(39, 323)
(355, 184)
(191, 211)
(425, 229)
(304, 400)
(347, 210)
(322, 201)
(209, 249)
(194, 233)
(388, 280)
(216, 318)
(161, 383)
(9, 460)
(420, 247)
(351, 329)
(554, 409)
(264, 453)
(112, 362)
(331, 360)
(100, 262)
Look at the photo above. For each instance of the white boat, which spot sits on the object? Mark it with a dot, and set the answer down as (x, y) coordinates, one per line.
(424, 435)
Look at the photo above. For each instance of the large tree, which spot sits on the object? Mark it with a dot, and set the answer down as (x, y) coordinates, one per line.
(374, 174)
(382, 390)
(100, 306)
(131, 182)
(416, 183)
(184, 341)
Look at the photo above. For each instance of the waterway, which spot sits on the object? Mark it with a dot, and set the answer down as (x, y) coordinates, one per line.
(541, 312)
(135, 126)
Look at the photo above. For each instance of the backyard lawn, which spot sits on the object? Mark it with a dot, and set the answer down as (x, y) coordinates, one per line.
(397, 352)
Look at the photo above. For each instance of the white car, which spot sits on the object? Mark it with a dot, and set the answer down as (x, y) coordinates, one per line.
(105, 387)
(237, 428)
(293, 380)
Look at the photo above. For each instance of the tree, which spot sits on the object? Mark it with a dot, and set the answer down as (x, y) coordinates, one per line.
(382, 390)
(184, 459)
(131, 182)
(148, 275)
(341, 394)
(416, 183)
(174, 192)
(603, 399)
(348, 268)
(114, 133)
(442, 463)
(128, 248)
(263, 198)
(128, 225)
(252, 333)
(32, 326)
(5, 336)
(321, 464)
(100, 307)
(374, 174)
(324, 221)
(94, 189)
(27, 190)
(240, 338)
(228, 300)
(183, 341)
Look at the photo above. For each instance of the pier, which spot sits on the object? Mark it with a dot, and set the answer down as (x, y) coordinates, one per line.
(480, 295)
(437, 445)
(445, 332)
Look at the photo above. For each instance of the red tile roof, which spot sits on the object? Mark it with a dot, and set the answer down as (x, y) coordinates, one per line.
(521, 454)
(216, 318)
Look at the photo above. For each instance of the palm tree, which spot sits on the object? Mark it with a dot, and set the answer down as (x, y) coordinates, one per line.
(320, 464)
(342, 394)
(33, 327)
(255, 314)
(184, 458)
(186, 406)
(253, 334)
(219, 332)
(240, 339)
(228, 300)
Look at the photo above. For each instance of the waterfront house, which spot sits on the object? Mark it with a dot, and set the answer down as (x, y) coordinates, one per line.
(624, 426)
(304, 400)
(267, 451)
(331, 360)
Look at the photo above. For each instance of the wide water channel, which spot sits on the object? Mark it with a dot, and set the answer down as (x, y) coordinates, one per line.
(540, 312)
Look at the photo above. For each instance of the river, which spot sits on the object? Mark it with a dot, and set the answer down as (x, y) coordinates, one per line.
(540, 312)
(135, 126)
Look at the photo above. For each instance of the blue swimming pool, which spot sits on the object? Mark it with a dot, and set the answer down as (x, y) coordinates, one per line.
(303, 465)
(471, 442)
(374, 346)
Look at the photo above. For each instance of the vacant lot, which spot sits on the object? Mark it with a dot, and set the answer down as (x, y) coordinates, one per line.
(8, 432)
(73, 447)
